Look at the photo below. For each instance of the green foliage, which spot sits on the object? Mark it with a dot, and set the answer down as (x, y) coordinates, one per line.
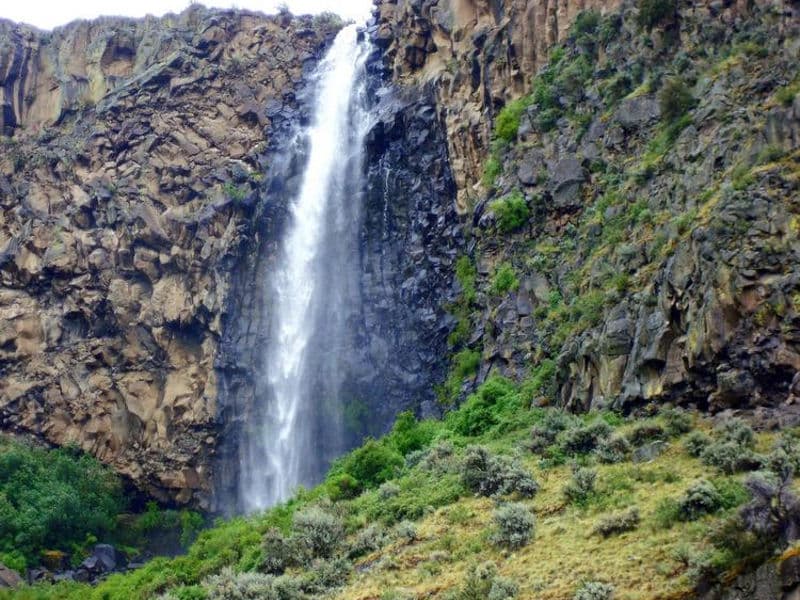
(369, 465)
(514, 525)
(234, 192)
(700, 499)
(594, 590)
(582, 439)
(696, 443)
(655, 12)
(464, 364)
(507, 121)
(511, 212)
(492, 170)
(788, 93)
(483, 583)
(53, 500)
(618, 523)
(675, 100)
(504, 280)
(581, 488)
(613, 449)
(490, 405)
(466, 274)
(677, 422)
(586, 23)
(408, 434)
(319, 531)
(486, 474)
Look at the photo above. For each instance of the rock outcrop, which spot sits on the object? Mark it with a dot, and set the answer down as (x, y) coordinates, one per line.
(132, 155)
(694, 302)
(477, 55)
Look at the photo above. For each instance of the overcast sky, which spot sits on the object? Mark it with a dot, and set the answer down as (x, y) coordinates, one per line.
(47, 14)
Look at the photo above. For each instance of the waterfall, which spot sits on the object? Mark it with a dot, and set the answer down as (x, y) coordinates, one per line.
(314, 294)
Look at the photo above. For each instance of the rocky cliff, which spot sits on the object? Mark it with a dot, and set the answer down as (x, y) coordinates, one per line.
(132, 155)
(632, 205)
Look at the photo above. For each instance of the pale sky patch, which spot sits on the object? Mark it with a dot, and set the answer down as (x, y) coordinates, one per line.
(47, 14)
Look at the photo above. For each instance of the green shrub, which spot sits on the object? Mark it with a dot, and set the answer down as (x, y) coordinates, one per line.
(545, 433)
(667, 513)
(483, 583)
(580, 489)
(700, 499)
(228, 585)
(582, 439)
(736, 431)
(730, 457)
(511, 212)
(318, 531)
(586, 23)
(324, 575)
(369, 465)
(494, 401)
(406, 532)
(53, 500)
(675, 100)
(504, 280)
(486, 474)
(618, 523)
(656, 12)
(492, 170)
(696, 443)
(787, 94)
(279, 552)
(408, 434)
(613, 449)
(507, 122)
(594, 590)
(677, 421)
(514, 525)
(367, 540)
(466, 274)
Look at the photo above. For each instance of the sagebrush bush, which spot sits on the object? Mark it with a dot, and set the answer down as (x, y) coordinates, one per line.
(319, 531)
(406, 531)
(228, 585)
(594, 590)
(581, 487)
(618, 523)
(483, 583)
(582, 439)
(701, 498)
(737, 431)
(514, 525)
(784, 460)
(730, 457)
(676, 421)
(487, 474)
(613, 449)
(367, 540)
(324, 575)
(279, 552)
(545, 433)
(696, 442)
(440, 458)
(646, 432)
(388, 489)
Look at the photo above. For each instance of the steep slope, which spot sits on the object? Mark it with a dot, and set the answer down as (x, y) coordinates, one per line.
(633, 233)
(132, 156)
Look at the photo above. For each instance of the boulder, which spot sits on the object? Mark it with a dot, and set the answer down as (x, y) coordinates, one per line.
(9, 578)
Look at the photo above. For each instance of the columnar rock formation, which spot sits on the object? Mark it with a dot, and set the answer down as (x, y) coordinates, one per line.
(132, 152)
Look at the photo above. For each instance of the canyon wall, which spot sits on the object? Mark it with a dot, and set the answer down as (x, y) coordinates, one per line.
(133, 151)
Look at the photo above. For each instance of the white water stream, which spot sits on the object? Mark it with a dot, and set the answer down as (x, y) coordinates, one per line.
(311, 290)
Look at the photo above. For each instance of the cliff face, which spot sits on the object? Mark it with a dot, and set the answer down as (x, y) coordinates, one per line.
(476, 55)
(652, 257)
(132, 153)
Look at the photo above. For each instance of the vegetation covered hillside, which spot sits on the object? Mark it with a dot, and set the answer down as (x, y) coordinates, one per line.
(503, 500)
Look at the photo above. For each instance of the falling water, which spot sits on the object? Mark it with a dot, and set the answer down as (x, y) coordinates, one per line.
(314, 293)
